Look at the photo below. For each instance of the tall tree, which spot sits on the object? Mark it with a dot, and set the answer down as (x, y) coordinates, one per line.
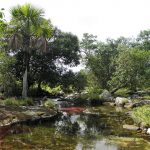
(132, 69)
(88, 44)
(29, 31)
(49, 67)
(143, 40)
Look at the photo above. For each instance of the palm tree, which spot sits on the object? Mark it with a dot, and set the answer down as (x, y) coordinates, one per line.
(29, 31)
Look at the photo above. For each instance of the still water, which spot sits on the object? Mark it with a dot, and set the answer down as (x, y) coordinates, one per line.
(97, 128)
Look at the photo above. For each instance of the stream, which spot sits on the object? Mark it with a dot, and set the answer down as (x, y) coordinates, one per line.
(94, 128)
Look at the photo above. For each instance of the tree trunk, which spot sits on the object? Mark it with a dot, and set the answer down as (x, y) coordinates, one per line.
(25, 84)
(39, 86)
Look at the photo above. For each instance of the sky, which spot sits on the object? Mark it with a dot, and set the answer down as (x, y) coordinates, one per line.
(104, 18)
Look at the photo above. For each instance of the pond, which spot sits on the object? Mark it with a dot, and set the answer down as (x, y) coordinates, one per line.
(96, 128)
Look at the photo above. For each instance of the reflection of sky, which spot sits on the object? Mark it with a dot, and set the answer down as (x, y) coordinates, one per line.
(102, 145)
(93, 144)
(98, 145)
(94, 128)
(74, 118)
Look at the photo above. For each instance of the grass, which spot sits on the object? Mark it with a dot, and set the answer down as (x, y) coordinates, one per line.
(142, 115)
(18, 102)
(147, 97)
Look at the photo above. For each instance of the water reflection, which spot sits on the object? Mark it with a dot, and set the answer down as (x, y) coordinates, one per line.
(97, 145)
(89, 130)
(68, 124)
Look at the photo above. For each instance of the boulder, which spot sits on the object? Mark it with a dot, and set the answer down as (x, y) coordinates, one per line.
(121, 101)
(141, 103)
(130, 127)
(148, 131)
(128, 105)
(106, 96)
(17, 115)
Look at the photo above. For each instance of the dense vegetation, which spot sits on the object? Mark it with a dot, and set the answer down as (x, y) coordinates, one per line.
(141, 115)
(37, 83)
(121, 63)
(35, 53)
(35, 58)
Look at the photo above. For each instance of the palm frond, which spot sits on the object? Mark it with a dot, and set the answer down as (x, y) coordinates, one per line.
(15, 41)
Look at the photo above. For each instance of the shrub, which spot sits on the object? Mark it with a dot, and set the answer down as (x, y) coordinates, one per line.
(142, 115)
(55, 90)
(93, 93)
(122, 92)
(18, 102)
(49, 104)
(147, 97)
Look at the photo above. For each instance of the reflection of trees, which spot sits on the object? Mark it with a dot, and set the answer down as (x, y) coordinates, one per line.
(88, 129)
(67, 126)
(94, 124)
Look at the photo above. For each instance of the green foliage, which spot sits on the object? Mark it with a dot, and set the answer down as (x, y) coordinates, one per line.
(100, 60)
(111, 65)
(132, 69)
(28, 31)
(121, 63)
(143, 40)
(3, 24)
(93, 93)
(55, 90)
(18, 102)
(49, 104)
(142, 115)
(31, 34)
(93, 89)
(67, 80)
(50, 68)
(80, 81)
(123, 92)
(7, 79)
(65, 46)
(147, 97)
(28, 34)
(88, 44)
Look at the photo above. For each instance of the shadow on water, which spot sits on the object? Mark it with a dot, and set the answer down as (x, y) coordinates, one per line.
(96, 128)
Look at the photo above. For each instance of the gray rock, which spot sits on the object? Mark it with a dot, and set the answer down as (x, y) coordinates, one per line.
(130, 127)
(141, 103)
(106, 96)
(128, 105)
(121, 101)
(148, 131)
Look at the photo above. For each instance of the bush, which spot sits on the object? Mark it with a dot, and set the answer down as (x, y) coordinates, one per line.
(91, 96)
(123, 92)
(147, 97)
(53, 91)
(142, 115)
(93, 93)
(18, 102)
(49, 104)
